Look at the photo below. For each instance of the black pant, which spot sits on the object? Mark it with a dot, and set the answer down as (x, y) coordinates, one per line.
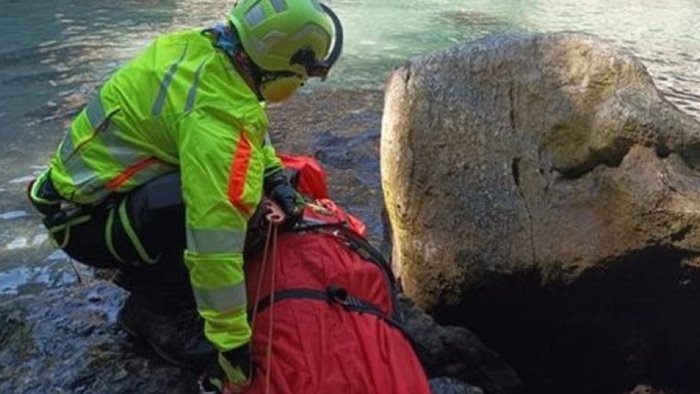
(141, 232)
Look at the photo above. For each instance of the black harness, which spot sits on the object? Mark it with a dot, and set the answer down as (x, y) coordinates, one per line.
(337, 295)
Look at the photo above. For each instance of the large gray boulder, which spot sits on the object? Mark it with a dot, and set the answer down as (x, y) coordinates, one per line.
(543, 192)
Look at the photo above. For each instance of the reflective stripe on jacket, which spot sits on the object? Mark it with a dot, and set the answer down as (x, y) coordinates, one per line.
(180, 105)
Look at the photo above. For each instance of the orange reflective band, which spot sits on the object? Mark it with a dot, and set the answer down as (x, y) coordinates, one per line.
(237, 177)
(129, 172)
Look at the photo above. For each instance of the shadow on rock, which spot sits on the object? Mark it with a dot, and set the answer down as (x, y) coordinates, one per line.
(456, 353)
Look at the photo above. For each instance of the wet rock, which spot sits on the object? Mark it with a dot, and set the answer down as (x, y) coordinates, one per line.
(67, 341)
(646, 389)
(452, 386)
(544, 194)
(12, 214)
(456, 353)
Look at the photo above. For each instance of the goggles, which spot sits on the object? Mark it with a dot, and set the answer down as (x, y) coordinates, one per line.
(307, 58)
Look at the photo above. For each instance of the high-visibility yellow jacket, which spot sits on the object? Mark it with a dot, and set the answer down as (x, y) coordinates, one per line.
(180, 105)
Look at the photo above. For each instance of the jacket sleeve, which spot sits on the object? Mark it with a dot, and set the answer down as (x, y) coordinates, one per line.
(272, 161)
(222, 168)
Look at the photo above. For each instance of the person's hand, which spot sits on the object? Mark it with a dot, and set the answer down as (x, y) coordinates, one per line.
(230, 373)
(280, 190)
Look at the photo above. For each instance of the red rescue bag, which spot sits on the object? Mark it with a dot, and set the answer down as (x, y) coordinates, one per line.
(311, 180)
(330, 302)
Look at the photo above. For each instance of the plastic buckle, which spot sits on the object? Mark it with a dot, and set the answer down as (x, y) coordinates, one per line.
(341, 296)
(337, 294)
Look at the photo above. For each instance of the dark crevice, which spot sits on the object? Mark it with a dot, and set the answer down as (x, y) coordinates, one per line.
(511, 114)
(681, 234)
(515, 169)
(407, 79)
(610, 156)
(662, 151)
(690, 153)
(627, 320)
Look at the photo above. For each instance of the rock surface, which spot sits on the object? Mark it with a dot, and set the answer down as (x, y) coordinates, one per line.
(542, 192)
(67, 341)
(451, 386)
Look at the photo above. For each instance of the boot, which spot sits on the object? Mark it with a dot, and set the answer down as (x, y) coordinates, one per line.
(176, 334)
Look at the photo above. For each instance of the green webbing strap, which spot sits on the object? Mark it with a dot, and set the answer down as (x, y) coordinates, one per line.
(34, 190)
(67, 225)
(109, 237)
(132, 234)
(66, 238)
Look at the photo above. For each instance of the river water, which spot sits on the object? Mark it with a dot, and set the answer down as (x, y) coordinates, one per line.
(55, 53)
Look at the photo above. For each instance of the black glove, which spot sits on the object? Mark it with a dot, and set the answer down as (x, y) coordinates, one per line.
(279, 189)
(230, 373)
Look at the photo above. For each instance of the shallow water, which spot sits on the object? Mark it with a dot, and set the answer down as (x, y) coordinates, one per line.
(54, 53)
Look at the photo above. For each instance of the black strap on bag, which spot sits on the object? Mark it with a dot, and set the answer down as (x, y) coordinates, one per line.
(340, 231)
(358, 244)
(361, 246)
(333, 294)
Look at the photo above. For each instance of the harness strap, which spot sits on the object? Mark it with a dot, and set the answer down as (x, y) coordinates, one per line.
(356, 242)
(366, 250)
(332, 295)
(359, 245)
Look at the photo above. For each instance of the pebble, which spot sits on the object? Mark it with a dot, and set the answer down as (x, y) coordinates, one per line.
(17, 243)
(24, 179)
(13, 214)
(57, 255)
(39, 239)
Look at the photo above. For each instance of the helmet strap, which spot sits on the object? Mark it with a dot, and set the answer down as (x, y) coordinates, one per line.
(261, 78)
(249, 71)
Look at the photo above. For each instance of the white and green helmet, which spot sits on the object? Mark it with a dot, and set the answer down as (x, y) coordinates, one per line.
(288, 35)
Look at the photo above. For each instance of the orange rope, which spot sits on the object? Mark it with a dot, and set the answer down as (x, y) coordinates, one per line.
(259, 288)
(262, 274)
(270, 246)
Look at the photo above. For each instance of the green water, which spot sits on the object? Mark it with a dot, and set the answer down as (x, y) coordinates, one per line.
(54, 53)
